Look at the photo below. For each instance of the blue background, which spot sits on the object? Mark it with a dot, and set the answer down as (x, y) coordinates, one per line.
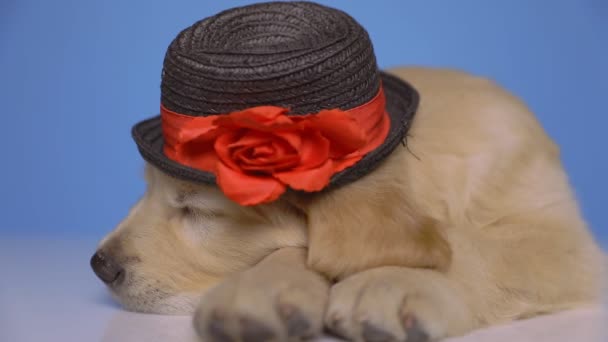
(76, 75)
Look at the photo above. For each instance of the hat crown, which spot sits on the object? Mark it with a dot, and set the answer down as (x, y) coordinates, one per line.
(299, 55)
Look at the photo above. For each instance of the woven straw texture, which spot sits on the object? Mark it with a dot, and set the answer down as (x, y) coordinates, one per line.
(300, 55)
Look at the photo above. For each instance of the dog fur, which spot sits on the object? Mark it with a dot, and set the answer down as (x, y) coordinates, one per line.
(473, 223)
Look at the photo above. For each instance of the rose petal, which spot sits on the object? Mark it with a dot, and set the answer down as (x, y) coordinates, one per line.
(261, 118)
(341, 164)
(245, 155)
(282, 157)
(251, 138)
(245, 189)
(263, 151)
(307, 180)
(292, 137)
(282, 149)
(278, 153)
(223, 145)
(286, 163)
(314, 150)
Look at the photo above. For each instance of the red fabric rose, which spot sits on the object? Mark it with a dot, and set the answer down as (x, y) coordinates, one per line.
(256, 153)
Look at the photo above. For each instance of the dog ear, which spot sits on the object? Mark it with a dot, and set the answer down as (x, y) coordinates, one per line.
(370, 223)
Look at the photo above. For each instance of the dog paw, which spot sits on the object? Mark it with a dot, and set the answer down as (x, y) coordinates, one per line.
(277, 300)
(395, 304)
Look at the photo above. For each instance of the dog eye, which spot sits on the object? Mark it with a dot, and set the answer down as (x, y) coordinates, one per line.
(194, 212)
(187, 211)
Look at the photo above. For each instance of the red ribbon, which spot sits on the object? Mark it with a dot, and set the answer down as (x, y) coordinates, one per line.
(257, 152)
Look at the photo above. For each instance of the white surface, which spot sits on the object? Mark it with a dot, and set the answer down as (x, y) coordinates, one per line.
(48, 293)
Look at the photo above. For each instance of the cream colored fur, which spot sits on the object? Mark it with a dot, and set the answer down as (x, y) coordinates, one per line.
(473, 224)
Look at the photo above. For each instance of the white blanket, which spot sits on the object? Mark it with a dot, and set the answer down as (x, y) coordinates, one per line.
(584, 325)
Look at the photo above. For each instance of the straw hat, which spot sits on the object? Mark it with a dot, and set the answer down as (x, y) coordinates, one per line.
(274, 96)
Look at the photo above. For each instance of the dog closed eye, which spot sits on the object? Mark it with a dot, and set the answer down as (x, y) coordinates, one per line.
(190, 211)
(187, 211)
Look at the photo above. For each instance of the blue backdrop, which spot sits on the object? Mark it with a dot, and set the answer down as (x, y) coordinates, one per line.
(77, 74)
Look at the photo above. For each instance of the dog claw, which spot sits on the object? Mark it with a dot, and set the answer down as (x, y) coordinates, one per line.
(297, 324)
(371, 333)
(334, 324)
(413, 329)
(217, 328)
(254, 331)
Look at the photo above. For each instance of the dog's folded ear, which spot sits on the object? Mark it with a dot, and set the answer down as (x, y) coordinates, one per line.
(369, 223)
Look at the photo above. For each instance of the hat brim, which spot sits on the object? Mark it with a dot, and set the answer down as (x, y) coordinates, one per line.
(401, 104)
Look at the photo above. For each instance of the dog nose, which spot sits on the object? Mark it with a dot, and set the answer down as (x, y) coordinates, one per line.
(106, 269)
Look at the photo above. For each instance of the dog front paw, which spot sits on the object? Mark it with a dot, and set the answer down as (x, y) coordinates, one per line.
(396, 304)
(277, 300)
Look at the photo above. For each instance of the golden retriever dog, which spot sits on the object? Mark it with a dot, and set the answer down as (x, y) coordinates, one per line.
(471, 223)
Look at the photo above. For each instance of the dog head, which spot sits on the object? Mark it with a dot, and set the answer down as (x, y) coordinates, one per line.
(181, 238)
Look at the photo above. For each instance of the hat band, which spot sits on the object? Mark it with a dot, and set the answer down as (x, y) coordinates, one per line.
(258, 152)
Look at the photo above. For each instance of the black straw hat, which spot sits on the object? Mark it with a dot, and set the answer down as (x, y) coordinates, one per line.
(300, 55)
